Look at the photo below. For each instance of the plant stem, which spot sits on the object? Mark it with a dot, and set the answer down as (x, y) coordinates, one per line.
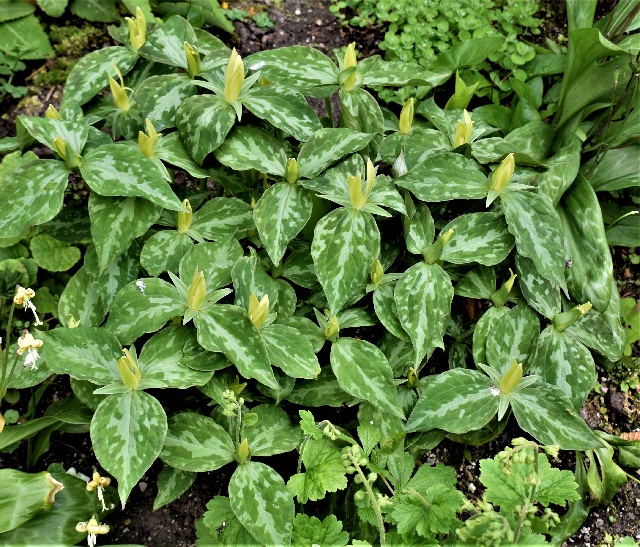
(532, 495)
(5, 360)
(238, 424)
(327, 104)
(374, 503)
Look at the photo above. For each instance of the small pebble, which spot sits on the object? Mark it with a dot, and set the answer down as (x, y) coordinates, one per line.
(472, 487)
(319, 22)
(142, 486)
(297, 12)
(599, 523)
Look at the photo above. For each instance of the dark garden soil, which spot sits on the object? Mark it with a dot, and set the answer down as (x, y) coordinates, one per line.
(309, 22)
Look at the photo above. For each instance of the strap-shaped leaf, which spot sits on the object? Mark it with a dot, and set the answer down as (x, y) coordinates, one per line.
(478, 237)
(445, 177)
(32, 195)
(511, 337)
(541, 294)
(346, 242)
(423, 298)
(170, 148)
(385, 307)
(456, 401)
(562, 361)
(227, 329)
(222, 217)
(196, 443)
(135, 312)
(538, 231)
(585, 243)
(327, 146)
(162, 358)
(159, 98)
(122, 170)
(249, 277)
(397, 74)
(116, 222)
(252, 148)
(283, 108)
(45, 130)
(203, 122)
(363, 371)
(81, 300)
(280, 214)
(172, 483)
(262, 503)
(84, 353)
(127, 434)
(90, 74)
(166, 43)
(547, 413)
(163, 251)
(290, 351)
(360, 111)
(485, 327)
(215, 260)
(273, 433)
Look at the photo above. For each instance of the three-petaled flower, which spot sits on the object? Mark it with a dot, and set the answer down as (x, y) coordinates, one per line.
(23, 297)
(29, 344)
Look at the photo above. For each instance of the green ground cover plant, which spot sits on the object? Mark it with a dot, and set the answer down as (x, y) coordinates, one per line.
(331, 267)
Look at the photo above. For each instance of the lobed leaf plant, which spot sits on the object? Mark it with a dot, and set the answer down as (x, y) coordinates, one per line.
(440, 273)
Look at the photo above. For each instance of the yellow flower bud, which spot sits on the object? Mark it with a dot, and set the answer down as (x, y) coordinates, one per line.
(433, 253)
(358, 199)
(185, 218)
(406, 116)
(563, 320)
(463, 131)
(258, 311)
(509, 283)
(243, 452)
(147, 142)
(502, 175)
(376, 272)
(332, 328)
(584, 308)
(233, 77)
(137, 30)
(502, 294)
(412, 377)
(371, 178)
(119, 91)
(52, 113)
(197, 291)
(128, 369)
(350, 56)
(193, 59)
(511, 378)
(60, 145)
(2, 422)
(291, 172)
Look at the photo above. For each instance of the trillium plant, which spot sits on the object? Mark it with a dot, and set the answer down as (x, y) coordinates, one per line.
(346, 293)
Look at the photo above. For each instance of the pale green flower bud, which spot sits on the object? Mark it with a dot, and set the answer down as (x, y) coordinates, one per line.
(332, 329)
(406, 116)
(463, 131)
(197, 291)
(563, 320)
(233, 77)
(193, 59)
(119, 91)
(59, 145)
(137, 30)
(258, 311)
(52, 113)
(511, 378)
(502, 175)
(355, 191)
(350, 60)
(244, 452)
(185, 218)
(128, 369)
(147, 142)
(502, 294)
(291, 171)
(376, 272)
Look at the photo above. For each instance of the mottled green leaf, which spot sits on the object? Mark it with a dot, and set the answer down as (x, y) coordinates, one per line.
(170, 148)
(360, 111)
(119, 272)
(485, 327)
(249, 277)
(299, 268)
(419, 229)
(222, 217)
(127, 434)
(215, 260)
(273, 433)
(541, 294)
(172, 483)
(562, 170)
(81, 300)
(163, 251)
(323, 391)
(291, 352)
(45, 130)
(479, 283)
(159, 98)
(287, 299)
(386, 309)
(252, 148)
(166, 43)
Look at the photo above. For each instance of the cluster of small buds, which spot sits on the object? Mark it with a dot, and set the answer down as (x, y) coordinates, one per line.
(23, 297)
(530, 512)
(550, 517)
(230, 407)
(552, 450)
(94, 528)
(99, 482)
(29, 344)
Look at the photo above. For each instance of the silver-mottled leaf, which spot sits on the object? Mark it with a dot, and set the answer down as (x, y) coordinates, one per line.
(541, 294)
(170, 148)
(360, 111)
(163, 251)
(273, 433)
(290, 351)
(478, 283)
(166, 43)
(215, 260)
(172, 483)
(252, 148)
(45, 130)
(249, 277)
(385, 308)
(81, 300)
(222, 217)
(159, 98)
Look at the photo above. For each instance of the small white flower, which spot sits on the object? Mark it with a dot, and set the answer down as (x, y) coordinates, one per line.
(23, 298)
(494, 390)
(30, 344)
(141, 286)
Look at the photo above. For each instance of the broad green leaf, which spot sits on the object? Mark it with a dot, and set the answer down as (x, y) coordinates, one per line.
(24, 496)
(162, 357)
(273, 432)
(197, 358)
(385, 307)
(70, 410)
(547, 413)
(103, 11)
(83, 390)
(468, 53)
(307, 328)
(287, 299)
(533, 140)
(421, 144)
(262, 503)
(166, 43)
(537, 229)
(215, 260)
(541, 294)
(445, 177)
(280, 214)
(163, 251)
(355, 317)
(196, 443)
(323, 472)
(511, 337)
(159, 98)
(222, 217)
(172, 483)
(485, 327)
(53, 8)
(119, 272)
(116, 222)
(585, 243)
(564, 362)
(84, 353)
(479, 283)
(360, 111)
(562, 170)
(14, 10)
(398, 73)
(419, 229)
(252, 148)
(478, 237)
(227, 329)
(323, 391)
(423, 298)
(122, 170)
(53, 255)
(203, 122)
(299, 268)
(363, 371)
(615, 170)
(81, 300)
(346, 242)
(45, 130)
(170, 148)
(457, 401)
(309, 530)
(327, 146)
(127, 434)
(32, 195)
(249, 277)
(134, 312)
(220, 517)
(25, 38)
(90, 74)
(283, 108)
(291, 352)
(24, 377)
